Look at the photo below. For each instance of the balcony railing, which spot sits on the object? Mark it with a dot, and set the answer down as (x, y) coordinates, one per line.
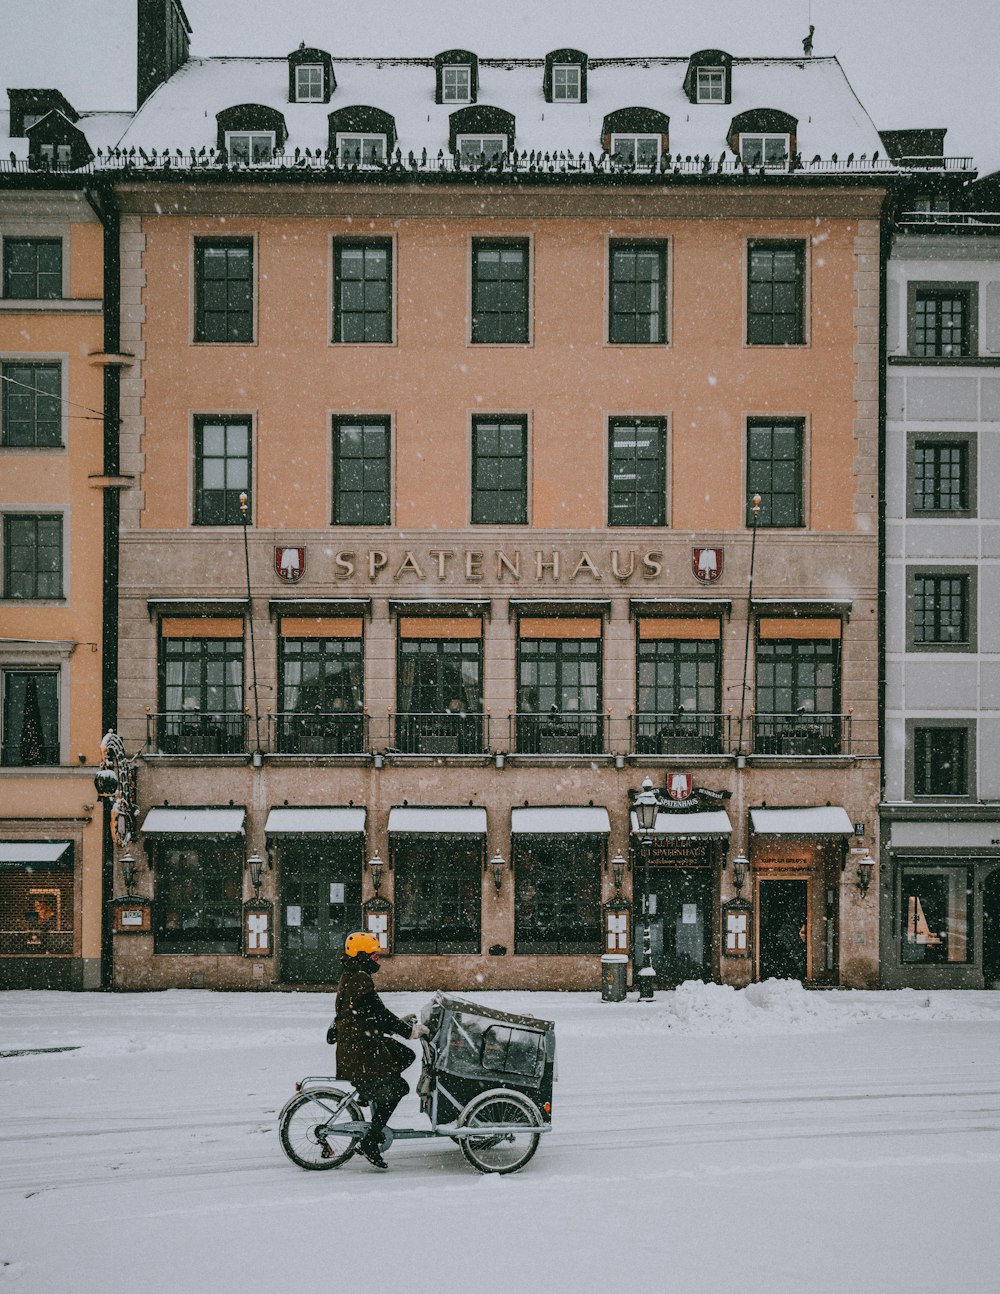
(560, 732)
(680, 733)
(334, 732)
(196, 732)
(801, 734)
(429, 733)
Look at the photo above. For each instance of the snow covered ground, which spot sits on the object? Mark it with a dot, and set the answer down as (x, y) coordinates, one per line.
(770, 1139)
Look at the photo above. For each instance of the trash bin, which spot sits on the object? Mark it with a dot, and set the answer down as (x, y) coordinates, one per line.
(614, 977)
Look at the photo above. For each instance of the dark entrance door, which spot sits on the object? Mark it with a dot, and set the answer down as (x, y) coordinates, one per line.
(680, 912)
(991, 930)
(320, 904)
(784, 922)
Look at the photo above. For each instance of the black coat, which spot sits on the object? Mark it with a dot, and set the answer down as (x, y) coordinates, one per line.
(364, 1054)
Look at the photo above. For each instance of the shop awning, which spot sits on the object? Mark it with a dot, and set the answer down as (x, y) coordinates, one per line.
(561, 820)
(315, 822)
(442, 821)
(36, 853)
(829, 820)
(712, 822)
(194, 822)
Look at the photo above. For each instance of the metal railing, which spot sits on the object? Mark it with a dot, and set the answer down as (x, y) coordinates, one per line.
(560, 732)
(950, 219)
(196, 732)
(447, 733)
(675, 732)
(801, 734)
(315, 732)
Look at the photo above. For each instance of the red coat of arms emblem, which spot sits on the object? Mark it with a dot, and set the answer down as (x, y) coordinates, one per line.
(706, 563)
(678, 785)
(289, 563)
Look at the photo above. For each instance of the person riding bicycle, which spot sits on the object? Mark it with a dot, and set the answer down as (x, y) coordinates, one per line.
(366, 1057)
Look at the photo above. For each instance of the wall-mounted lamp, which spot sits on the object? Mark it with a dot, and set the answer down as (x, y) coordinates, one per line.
(256, 866)
(375, 865)
(618, 872)
(129, 868)
(741, 865)
(498, 867)
(866, 867)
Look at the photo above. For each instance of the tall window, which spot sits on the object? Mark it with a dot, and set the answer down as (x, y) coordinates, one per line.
(361, 471)
(222, 470)
(940, 476)
(935, 919)
(939, 609)
(559, 695)
(566, 83)
(32, 409)
(198, 906)
(201, 693)
(637, 492)
(362, 291)
(223, 272)
(32, 268)
(321, 695)
(30, 717)
(250, 147)
(711, 85)
(638, 295)
(440, 696)
(456, 83)
(677, 694)
(776, 294)
(438, 893)
(940, 760)
(499, 291)
(557, 894)
(33, 555)
(309, 83)
(500, 470)
(774, 471)
(941, 322)
(798, 696)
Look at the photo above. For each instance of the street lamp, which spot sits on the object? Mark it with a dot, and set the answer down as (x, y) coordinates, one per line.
(866, 867)
(646, 806)
(618, 872)
(741, 865)
(497, 866)
(128, 866)
(375, 865)
(256, 866)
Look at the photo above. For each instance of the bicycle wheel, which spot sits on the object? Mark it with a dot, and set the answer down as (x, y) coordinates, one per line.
(500, 1151)
(301, 1124)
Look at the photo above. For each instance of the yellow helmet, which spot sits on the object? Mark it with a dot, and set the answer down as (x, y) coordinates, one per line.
(360, 941)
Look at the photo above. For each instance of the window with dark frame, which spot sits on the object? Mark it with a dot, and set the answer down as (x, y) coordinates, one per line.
(638, 294)
(499, 292)
(776, 294)
(30, 717)
(775, 471)
(439, 695)
(677, 679)
(637, 488)
(559, 696)
(198, 906)
(32, 405)
(223, 271)
(941, 322)
(222, 449)
(32, 269)
(798, 697)
(362, 291)
(940, 760)
(201, 696)
(499, 470)
(361, 471)
(33, 555)
(935, 918)
(939, 609)
(940, 476)
(438, 894)
(557, 894)
(322, 695)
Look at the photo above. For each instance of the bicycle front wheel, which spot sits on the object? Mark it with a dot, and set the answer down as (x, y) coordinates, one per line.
(306, 1133)
(511, 1141)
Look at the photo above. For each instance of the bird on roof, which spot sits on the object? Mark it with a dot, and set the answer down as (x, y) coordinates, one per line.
(807, 42)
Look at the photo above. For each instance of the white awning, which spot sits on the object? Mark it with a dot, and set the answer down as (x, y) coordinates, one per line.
(561, 820)
(438, 821)
(194, 822)
(36, 853)
(315, 822)
(829, 820)
(711, 822)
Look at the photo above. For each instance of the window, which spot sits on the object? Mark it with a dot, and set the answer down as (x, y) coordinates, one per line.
(309, 83)
(935, 919)
(499, 291)
(223, 290)
(30, 717)
(33, 556)
(322, 683)
(798, 696)
(499, 471)
(36, 901)
(557, 894)
(769, 151)
(775, 471)
(637, 491)
(362, 291)
(635, 150)
(559, 695)
(456, 84)
(638, 294)
(356, 149)
(222, 470)
(775, 294)
(438, 893)
(32, 408)
(58, 156)
(32, 268)
(941, 478)
(711, 85)
(361, 472)
(566, 83)
(199, 896)
(940, 610)
(201, 690)
(479, 150)
(250, 147)
(677, 692)
(440, 697)
(940, 760)
(941, 320)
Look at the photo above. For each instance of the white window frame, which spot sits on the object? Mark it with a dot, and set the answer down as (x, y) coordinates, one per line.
(251, 137)
(456, 83)
(493, 146)
(764, 138)
(359, 139)
(711, 85)
(572, 81)
(635, 141)
(307, 90)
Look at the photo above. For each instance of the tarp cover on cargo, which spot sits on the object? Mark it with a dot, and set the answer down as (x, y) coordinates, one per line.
(480, 1042)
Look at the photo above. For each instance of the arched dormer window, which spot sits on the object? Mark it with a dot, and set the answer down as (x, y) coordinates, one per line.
(251, 133)
(310, 76)
(55, 143)
(480, 132)
(565, 79)
(456, 77)
(709, 77)
(636, 136)
(764, 137)
(362, 136)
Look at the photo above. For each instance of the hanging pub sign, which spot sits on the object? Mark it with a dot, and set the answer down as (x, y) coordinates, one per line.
(376, 917)
(258, 928)
(131, 916)
(674, 848)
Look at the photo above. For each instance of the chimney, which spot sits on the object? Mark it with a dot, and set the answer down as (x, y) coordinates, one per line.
(163, 40)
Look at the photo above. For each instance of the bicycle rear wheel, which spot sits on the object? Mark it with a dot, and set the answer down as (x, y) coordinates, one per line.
(513, 1141)
(302, 1128)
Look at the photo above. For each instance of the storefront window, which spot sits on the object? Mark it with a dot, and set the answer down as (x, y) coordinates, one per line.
(557, 894)
(438, 894)
(36, 912)
(198, 905)
(936, 915)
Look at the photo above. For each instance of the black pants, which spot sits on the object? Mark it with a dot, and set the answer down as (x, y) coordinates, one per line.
(383, 1097)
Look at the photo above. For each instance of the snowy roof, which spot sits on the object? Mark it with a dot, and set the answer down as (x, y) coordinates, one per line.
(829, 820)
(712, 822)
(317, 822)
(36, 853)
(560, 820)
(439, 821)
(194, 822)
(102, 129)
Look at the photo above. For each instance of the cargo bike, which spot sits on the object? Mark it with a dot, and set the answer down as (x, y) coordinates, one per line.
(486, 1082)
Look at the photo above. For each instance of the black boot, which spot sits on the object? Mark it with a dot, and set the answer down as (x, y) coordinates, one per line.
(369, 1147)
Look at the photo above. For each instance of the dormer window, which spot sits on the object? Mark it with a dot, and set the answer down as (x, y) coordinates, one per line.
(635, 150)
(711, 85)
(362, 136)
(480, 133)
(354, 149)
(636, 136)
(30, 118)
(473, 149)
(56, 156)
(456, 84)
(566, 83)
(28, 107)
(56, 143)
(565, 77)
(309, 83)
(763, 138)
(769, 151)
(250, 147)
(250, 133)
(709, 77)
(310, 76)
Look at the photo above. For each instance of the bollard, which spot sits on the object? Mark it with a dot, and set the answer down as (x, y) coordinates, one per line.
(614, 977)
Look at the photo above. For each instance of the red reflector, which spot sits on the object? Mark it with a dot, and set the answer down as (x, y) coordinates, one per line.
(548, 1107)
